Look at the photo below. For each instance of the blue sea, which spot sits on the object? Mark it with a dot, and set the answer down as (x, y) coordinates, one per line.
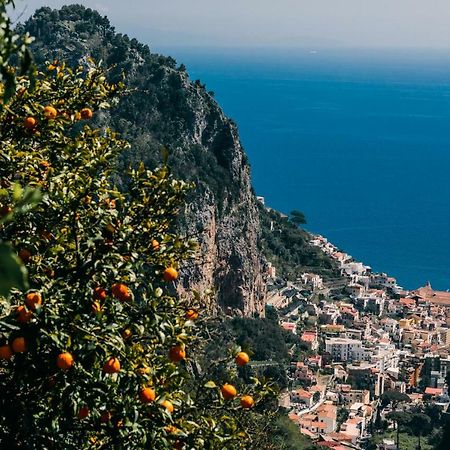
(357, 140)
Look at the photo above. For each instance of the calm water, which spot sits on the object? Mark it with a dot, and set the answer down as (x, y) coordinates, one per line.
(360, 142)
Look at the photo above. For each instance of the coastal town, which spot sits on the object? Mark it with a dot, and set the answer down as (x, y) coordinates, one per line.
(371, 349)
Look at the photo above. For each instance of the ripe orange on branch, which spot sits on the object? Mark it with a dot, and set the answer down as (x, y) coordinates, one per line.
(24, 255)
(5, 352)
(99, 293)
(29, 123)
(112, 366)
(228, 391)
(64, 361)
(147, 395)
(33, 299)
(170, 274)
(86, 113)
(50, 112)
(177, 353)
(83, 412)
(121, 292)
(247, 401)
(19, 345)
(242, 359)
(23, 316)
(168, 405)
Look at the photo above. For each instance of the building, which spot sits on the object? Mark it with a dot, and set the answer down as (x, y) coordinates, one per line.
(342, 349)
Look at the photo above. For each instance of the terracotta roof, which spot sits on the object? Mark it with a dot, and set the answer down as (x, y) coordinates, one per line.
(436, 297)
(433, 391)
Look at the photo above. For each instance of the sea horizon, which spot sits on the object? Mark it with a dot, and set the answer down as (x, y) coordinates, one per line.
(357, 139)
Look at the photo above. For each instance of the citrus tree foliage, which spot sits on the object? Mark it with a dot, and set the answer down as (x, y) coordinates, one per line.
(99, 352)
(15, 57)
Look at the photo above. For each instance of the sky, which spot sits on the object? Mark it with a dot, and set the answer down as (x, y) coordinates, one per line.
(275, 23)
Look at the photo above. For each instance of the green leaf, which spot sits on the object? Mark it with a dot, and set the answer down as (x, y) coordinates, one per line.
(13, 273)
(210, 385)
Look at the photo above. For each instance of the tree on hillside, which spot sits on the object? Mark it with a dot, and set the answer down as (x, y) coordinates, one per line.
(420, 425)
(394, 398)
(401, 420)
(297, 217)
(100, 352)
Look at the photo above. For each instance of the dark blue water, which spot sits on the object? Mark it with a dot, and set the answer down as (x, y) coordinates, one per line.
(358, 141)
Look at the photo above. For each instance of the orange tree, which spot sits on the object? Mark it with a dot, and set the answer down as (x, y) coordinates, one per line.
(100, 352)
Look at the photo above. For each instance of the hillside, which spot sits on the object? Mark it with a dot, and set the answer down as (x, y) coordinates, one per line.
(163, 107)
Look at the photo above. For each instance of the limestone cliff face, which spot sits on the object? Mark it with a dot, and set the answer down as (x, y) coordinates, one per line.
(167, 108)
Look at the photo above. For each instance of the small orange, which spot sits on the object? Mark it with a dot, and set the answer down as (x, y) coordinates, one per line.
(228, 391)
(96, 307)
(86, 113)
(170, 274)
(155, 245)
(177, 353)
(24, 255)
(5, 210)
(99, 293)
(147, 395)
(19, 345)
(5, 352)
(171, 428)
(121, 292)
(64, 361)
(191, 314)
(126, 334)
(247, 401)
(168, 405)
(112, 366)
(50, 112)
(29, 123)
(33, 299)
(105, 417)
(83, 412)
(242, 359)
(23, 316)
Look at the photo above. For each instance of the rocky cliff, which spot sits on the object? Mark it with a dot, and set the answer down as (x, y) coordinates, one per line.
(165, 108)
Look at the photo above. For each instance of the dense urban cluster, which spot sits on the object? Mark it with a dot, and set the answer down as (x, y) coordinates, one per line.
(372, 350)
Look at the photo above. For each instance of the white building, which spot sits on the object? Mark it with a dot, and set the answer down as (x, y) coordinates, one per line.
(342, 349)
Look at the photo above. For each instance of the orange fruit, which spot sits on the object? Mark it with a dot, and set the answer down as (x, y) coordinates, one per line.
(177, 353)
(105, 417)
(191, 314)
(86, 113)
(112, 366)
(19, 345)
(99, 293)
(247, 401)
(242, 359)
(29, 123)
(64, 361)
(96, 307)
(23, 316)
(155, 245)
(121, 292)
(83, 412)
(33, 299)
(24, 255)
(168, 405)
(50, 112)
(228, 391)
(126, 334)
(5, 352)
(147, 395)
(171, 428)
(170, 274)
(5, 210)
